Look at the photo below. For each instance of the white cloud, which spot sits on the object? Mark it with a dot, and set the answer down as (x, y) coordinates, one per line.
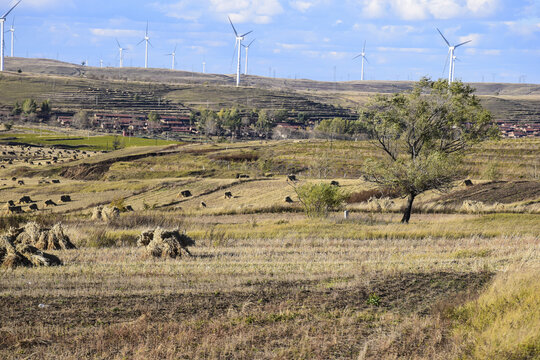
(524, 26)
(475, 39)
(423, 9)
(291, 46)
(36, 4)
(489, 52)
(302, 6)
(240, 11)
(403, 50)
(116, 32)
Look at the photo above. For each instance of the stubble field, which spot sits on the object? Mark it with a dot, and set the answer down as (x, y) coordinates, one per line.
(265, 281)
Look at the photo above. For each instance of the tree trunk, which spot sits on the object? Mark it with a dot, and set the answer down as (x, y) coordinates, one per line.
(408, 210)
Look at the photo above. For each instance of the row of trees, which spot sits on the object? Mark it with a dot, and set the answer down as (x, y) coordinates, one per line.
(31, 111)
(234, 123)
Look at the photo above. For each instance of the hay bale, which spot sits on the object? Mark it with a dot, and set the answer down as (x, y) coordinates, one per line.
(109, 213)
(106, 213)
(163, 243)
(12, 256)
(96, 212)
(145, 238)
(43, 238)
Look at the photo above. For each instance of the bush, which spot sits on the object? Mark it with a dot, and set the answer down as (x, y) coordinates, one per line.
(366, 195)
(319, 199)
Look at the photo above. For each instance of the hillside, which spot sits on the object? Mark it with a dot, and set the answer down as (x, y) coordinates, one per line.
(72, 87)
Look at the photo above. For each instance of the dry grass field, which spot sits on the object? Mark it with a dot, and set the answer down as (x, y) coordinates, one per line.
(265, 281)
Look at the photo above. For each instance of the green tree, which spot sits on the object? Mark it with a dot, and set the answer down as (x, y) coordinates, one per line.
(17, 109)
(45, 109)
(153, 116)
(29, 106)
(319, 199)
(116, 142)
(422, 134)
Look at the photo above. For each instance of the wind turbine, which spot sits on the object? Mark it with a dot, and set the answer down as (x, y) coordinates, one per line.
(2, 21)
(238, 44)
(173, 54)
(147, 41)
(121, 50)
(454, 67)
(363, 55)
(247, 52)
(451, 56)
(12, 31)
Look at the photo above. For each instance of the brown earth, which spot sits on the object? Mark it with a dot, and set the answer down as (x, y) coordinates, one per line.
(504, 192)
(261, 307)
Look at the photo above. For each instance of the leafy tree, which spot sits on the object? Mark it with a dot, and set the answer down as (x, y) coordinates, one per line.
(29, 106)
(319, 199)
(153, 116)
(116, 142)
(422, 134)
(209, 123)
(81, 120)
(17, 109)
(45, 109)
(339, 126)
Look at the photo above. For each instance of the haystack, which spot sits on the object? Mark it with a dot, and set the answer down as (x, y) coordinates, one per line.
(13, 254)
(163, 243)
(43, 238)
(106, 213)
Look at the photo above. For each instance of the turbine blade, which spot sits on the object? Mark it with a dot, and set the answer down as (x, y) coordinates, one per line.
(251, 43)
(140, 42)
(146, 27)
(150, 43)
(234, 29)
(365, 58)
(445, 63)
(175, 46)
(364, 49)
(10, 10)
(249, 32)
(119, 46)
(357, 56)
(446, 41)
(234, 53)
(463, 43)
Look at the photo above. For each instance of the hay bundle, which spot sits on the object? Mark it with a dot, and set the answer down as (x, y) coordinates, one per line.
(13, 255)
(106, 213)
(165, 243)
(43, 238)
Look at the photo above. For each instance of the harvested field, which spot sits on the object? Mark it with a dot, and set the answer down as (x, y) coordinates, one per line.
(504, 192)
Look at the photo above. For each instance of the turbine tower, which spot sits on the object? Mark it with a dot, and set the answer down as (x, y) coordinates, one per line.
(2, 22)
(173, 54)
(238, 44)
(451, 50)
(121, 50)
(363, 55)
(12, 31)
(147, 41)
(247, 52)
(204, 67)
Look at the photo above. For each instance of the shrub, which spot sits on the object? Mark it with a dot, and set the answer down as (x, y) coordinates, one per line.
(364, 196)
(319, 199)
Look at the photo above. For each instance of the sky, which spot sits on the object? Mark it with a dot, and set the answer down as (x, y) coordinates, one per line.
(311, 39)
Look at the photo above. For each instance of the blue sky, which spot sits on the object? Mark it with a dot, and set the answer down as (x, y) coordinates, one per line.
(312, 39)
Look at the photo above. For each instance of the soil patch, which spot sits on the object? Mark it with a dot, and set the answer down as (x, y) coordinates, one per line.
(504, 192)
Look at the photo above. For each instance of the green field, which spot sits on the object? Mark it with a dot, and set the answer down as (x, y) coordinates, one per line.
(49, 138)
